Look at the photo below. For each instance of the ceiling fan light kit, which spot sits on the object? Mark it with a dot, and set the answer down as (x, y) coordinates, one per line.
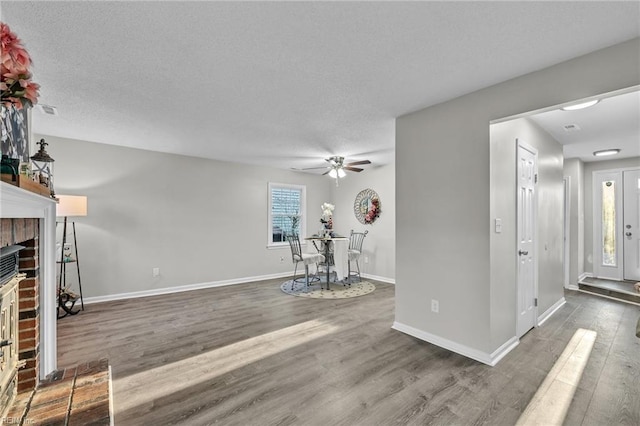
(337, 173)
(338, 168)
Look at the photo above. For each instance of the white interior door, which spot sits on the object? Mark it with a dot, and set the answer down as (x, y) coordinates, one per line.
(527, 170)
(631, 225)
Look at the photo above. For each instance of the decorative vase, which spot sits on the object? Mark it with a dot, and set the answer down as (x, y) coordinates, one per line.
(15, 142)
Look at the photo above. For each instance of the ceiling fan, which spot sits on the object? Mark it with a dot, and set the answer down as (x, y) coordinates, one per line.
(337, 166)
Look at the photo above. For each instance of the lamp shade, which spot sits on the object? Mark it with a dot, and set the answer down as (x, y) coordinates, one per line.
(71, 205)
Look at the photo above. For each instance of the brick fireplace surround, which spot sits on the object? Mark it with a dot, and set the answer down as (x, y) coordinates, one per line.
(25, 233)
(29, 220)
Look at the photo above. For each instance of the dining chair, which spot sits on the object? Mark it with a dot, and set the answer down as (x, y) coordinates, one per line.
(321, 247)
(355, 251)
(305, 258)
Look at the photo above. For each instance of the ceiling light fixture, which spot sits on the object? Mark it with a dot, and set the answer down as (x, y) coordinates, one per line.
(581, 105)
(605, 152)
(337, 173)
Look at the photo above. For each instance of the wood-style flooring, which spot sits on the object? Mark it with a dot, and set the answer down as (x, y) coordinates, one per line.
(251, 355)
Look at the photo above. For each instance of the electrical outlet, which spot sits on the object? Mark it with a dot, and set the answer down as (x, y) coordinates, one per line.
(366, 259)
(435, 306)
(281, 259)
(156, 272)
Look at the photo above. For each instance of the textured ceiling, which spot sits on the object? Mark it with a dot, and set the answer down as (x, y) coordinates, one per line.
(285, 84)
(612, 123)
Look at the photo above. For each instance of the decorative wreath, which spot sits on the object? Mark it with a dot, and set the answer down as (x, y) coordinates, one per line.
(367, 206)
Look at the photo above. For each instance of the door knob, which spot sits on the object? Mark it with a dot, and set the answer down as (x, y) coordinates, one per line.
(523, 253)
(628, 234)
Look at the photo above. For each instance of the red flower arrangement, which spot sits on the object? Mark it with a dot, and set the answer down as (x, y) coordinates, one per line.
(374, 211)
(17, 88)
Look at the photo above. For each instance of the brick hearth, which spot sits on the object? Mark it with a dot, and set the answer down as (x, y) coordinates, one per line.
(76, 395)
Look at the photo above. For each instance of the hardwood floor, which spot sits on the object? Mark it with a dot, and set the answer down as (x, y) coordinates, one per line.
(250, 355)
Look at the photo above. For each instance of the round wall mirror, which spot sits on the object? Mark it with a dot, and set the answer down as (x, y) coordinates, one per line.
(367, 206)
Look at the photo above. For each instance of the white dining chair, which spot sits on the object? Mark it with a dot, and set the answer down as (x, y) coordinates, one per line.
(355, 251)
(305, 258)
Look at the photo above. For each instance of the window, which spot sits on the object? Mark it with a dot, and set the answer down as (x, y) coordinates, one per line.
(286, 212)
(609, 224)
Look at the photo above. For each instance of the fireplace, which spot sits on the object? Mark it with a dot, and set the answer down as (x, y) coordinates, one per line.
(28, 220)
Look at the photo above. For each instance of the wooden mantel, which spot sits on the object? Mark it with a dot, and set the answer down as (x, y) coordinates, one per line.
(19, 203)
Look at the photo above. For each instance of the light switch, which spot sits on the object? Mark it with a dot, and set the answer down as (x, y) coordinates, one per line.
(498, 225)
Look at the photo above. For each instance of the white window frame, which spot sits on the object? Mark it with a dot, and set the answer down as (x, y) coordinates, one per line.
(600, 270)
(303, 213)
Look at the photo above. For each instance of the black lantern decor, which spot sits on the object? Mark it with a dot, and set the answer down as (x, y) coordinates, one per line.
(43, 167)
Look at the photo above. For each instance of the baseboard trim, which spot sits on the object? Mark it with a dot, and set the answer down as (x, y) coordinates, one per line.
(378, 278)
(552, 310)
(179, 289)
(490, 359)
(503, 350)
(573, 287)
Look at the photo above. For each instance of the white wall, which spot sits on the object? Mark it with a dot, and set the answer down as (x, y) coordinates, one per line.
(550, 190)
(379, 245)
(574, 170)
(198, 220)
(443, 195)
(589, 168)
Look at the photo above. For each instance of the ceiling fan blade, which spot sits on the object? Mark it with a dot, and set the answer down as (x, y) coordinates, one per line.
(357, 163)
(326, 173)
(353, 169)
(314, 168)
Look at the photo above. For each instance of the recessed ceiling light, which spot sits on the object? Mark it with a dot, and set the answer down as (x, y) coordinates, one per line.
(581, 105)
(606, 152)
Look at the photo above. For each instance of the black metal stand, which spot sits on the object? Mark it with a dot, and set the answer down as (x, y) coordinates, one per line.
(66, 299)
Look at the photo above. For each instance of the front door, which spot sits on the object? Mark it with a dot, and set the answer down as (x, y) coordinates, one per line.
(527, 170)
(631, 225)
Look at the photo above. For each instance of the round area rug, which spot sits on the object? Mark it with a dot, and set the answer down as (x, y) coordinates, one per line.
(337, 290)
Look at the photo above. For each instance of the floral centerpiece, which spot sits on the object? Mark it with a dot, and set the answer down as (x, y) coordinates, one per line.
(16, 86)
(373, 212)
(326, 219)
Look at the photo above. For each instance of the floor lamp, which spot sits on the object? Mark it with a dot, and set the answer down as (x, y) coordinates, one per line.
(69, 206)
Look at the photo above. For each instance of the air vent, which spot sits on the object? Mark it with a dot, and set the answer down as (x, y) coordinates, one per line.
(48, 109)
(571, 128)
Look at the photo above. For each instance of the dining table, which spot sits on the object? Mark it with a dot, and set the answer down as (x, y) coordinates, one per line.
(340, 254)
